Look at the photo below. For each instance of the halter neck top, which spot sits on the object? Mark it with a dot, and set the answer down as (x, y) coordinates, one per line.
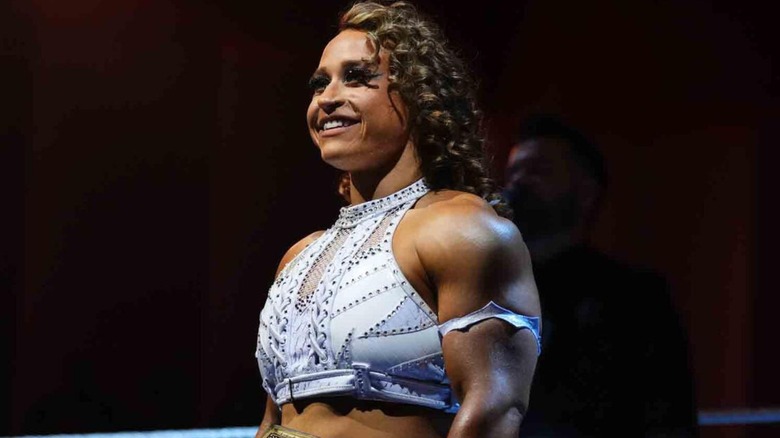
(341, 318)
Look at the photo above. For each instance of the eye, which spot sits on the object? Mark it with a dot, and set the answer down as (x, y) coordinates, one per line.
(317, 84)
(358, 75)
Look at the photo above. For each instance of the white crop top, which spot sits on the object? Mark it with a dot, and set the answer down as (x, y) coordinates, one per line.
(342, 320)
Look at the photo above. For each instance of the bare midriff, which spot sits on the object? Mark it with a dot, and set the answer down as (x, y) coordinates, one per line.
(341, 418)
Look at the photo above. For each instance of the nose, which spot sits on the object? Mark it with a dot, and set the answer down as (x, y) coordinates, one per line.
(330, 99)
(328, 104)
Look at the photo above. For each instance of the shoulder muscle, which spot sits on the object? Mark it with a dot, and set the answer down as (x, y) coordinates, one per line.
(474, 256)
(296, 249)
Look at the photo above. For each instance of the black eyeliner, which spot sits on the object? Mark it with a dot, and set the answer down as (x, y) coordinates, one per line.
(318, 81)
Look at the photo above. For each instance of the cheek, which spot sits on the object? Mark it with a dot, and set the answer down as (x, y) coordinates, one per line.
(385, 117)
(311, 113)
(311, 117)
(399, 109)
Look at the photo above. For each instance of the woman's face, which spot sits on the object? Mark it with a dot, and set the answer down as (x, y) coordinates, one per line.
(352, 118)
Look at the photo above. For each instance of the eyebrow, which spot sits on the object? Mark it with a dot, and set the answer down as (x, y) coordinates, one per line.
(322, 71)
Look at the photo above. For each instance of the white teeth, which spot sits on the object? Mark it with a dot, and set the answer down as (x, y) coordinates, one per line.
(330, 124)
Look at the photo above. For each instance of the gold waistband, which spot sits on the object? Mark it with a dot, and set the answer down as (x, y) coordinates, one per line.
(277, 431)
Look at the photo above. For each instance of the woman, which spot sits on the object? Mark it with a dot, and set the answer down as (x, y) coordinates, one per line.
(406, 317)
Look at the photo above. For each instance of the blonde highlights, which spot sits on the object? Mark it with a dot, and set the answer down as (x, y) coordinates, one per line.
(439, 92)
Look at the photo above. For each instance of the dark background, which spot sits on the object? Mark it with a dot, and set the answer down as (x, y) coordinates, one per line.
(155, 165)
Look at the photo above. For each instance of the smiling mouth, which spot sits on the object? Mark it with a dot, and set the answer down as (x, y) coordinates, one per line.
(337, 123)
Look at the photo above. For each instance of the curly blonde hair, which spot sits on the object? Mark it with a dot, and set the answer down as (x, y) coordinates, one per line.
(439, 92)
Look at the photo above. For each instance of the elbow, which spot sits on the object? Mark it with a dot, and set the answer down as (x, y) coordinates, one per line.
(479, 418)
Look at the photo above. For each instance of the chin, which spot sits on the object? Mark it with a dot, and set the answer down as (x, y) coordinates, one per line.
(337, 158)
(341, 155)
(346, 162)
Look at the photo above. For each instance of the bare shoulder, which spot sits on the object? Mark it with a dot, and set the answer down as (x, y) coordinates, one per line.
(297, 248)
(473, 255)
(452, 220)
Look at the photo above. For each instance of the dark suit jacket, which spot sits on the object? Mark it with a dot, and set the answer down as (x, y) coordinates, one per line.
(614, 358)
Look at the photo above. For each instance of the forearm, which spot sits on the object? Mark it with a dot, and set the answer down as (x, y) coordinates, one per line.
(266, 423)
(270, 417)
(263, 427)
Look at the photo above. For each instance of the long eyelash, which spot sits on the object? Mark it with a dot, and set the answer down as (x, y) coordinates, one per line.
(318, 82)
(355, 74)
(360, 75)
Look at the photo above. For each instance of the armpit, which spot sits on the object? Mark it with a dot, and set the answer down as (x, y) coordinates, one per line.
(493, 310)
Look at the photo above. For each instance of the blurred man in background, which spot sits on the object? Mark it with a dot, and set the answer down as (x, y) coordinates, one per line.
(614, 360)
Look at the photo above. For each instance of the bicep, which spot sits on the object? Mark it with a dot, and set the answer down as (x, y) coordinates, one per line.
(493, 362)
(490, 367)
(490, 263)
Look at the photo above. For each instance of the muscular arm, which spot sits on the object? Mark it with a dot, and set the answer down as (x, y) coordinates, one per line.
(473, 257)
(272, 414)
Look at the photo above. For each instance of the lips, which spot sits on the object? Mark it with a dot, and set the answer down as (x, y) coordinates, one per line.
(335, 123)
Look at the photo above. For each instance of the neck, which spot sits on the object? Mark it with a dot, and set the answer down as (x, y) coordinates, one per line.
(364, 188)
(372, 184)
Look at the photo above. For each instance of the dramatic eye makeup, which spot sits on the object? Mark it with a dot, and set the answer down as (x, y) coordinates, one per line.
(353, 73)
(359, 74)
(318, 82)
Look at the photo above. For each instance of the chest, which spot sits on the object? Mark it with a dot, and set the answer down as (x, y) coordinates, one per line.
(345, 298)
